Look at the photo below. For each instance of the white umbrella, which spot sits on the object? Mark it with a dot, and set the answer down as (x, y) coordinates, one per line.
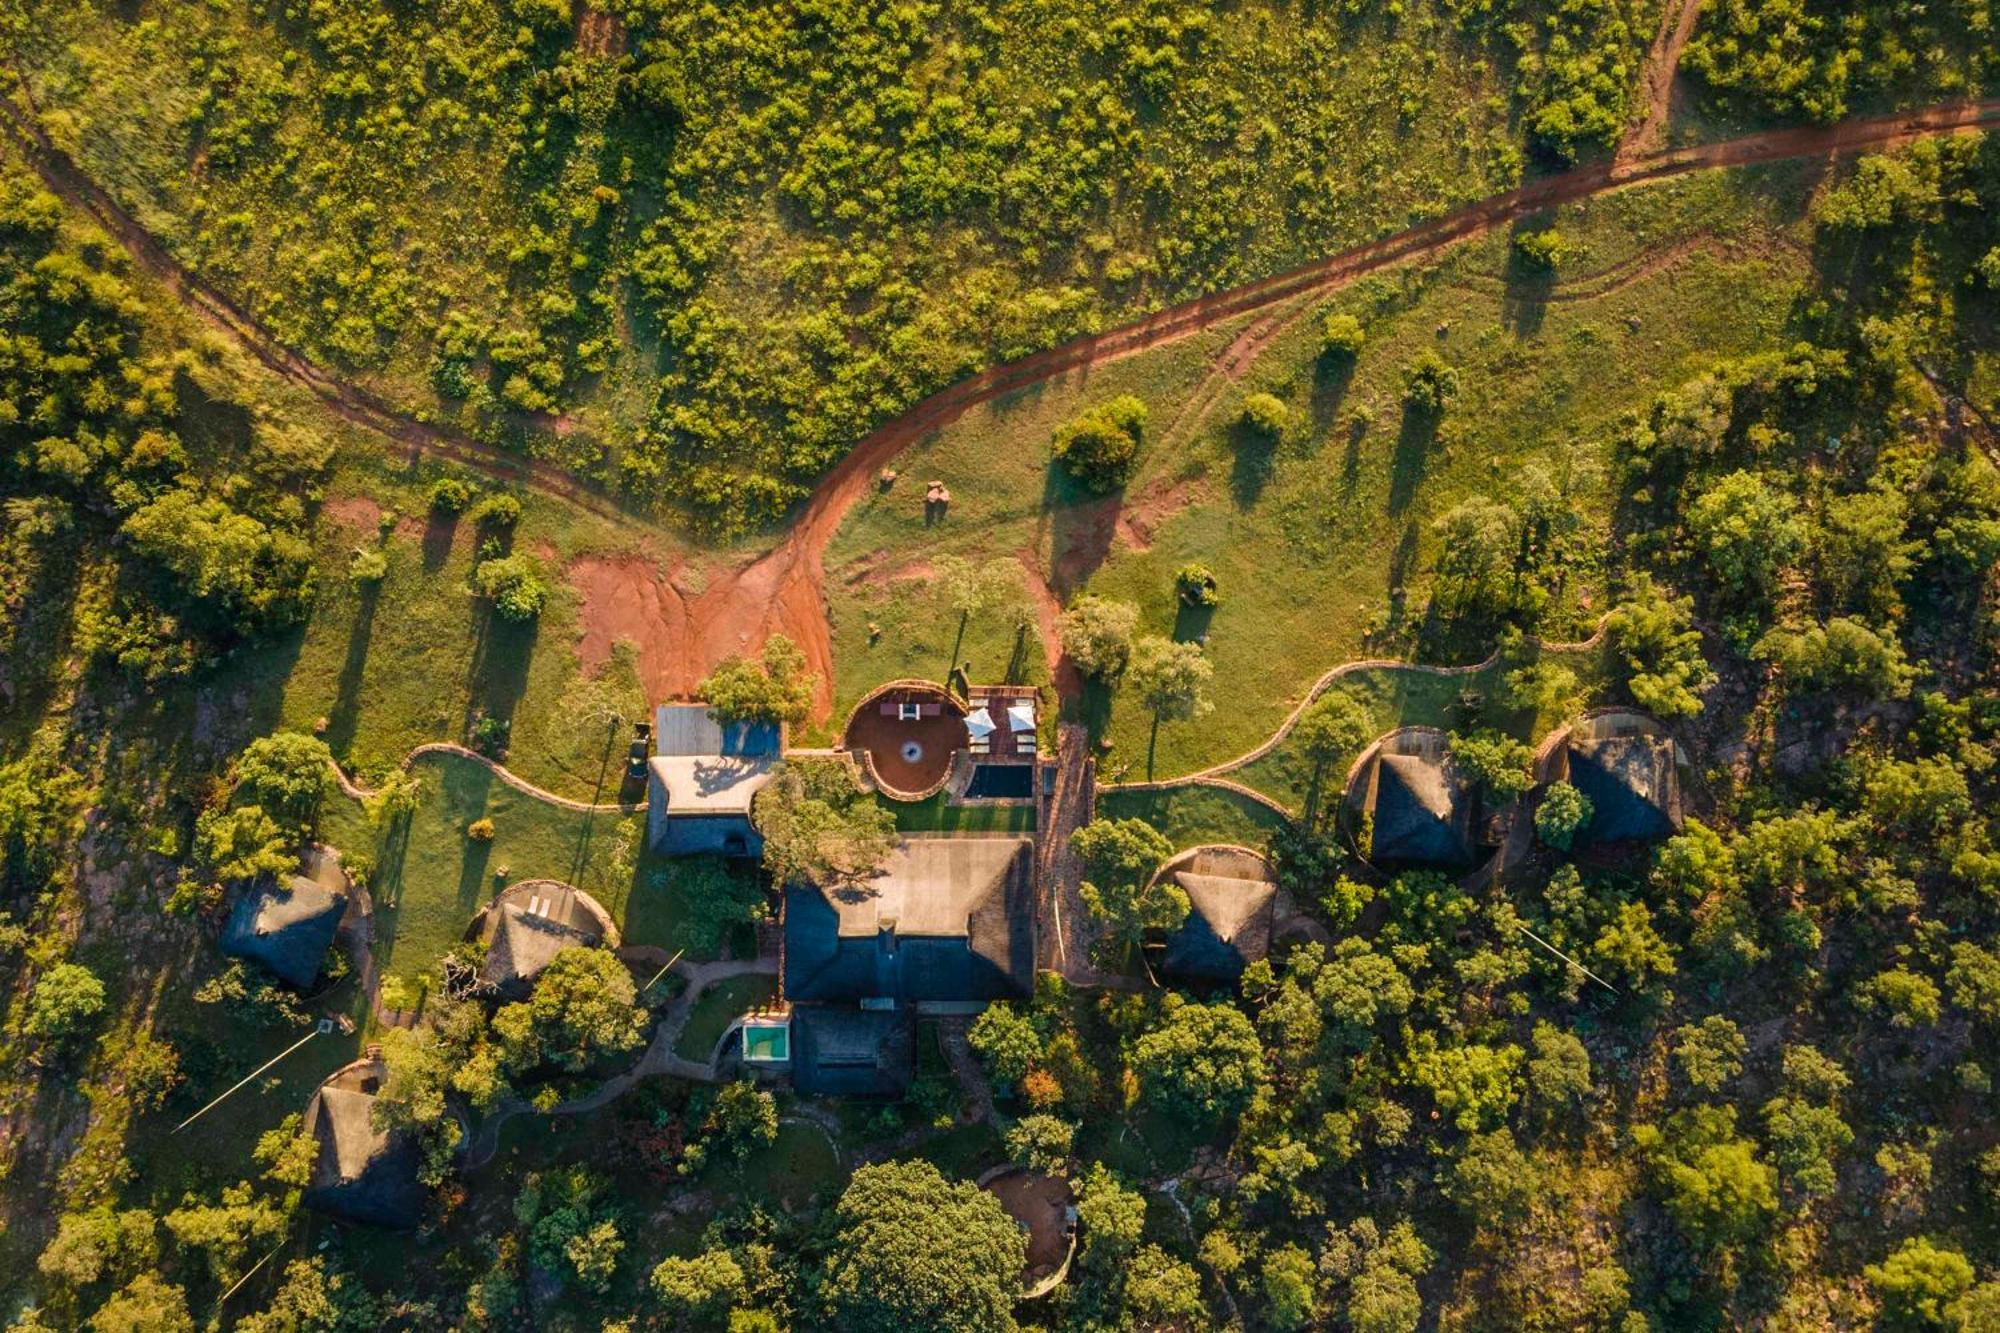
(979, 722)
(1021, 717)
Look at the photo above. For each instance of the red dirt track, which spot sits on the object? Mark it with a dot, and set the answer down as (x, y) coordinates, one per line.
(684, 623)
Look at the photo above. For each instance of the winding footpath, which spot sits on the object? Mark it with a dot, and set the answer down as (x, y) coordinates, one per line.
(355, 791)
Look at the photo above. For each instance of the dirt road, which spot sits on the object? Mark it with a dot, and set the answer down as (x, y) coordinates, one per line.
(709, 613)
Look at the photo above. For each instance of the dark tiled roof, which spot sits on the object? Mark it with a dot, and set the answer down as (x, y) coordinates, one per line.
(286, 928)
(949, 919)
(361, 1173)
(1228, 927)
(846, 1052)
(1420, 814)
(1632, 786)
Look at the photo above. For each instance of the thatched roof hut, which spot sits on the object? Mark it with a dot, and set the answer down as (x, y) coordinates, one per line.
(288, 927)
(1232, 899)
(361, 1173)
(528, 925)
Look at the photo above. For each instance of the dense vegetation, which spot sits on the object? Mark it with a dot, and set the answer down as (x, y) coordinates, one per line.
(808, 215)
(1741, 1077)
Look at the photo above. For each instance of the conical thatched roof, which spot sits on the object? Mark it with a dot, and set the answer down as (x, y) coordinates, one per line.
(1228, 926)
(287, 927)
(361, 1173)
(1632, 785)
(1421, 815)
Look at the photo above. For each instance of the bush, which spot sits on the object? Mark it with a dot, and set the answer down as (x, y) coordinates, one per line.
(480, 830)
(451, 495)
(1429, 384)
(67, 999)
(1197, 586)
(1265, 415)
(1343, 338)
(1561, 815)
(1099, 447)
(367, 566)
(514, 584)
(1097, 635)
(1542, 250)
(496, 511)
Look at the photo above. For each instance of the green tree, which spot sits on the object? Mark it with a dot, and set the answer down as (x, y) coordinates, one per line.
(1654, 637)
(1747, 531)
(1265, 415)
(1561, 814)
(1111, 1218)
(514, 584)
(776, 687)
(1804, 1138)
(700, 1290)
(146, 1304)
(1710, 1052)
(1918, 1282)
(1496, 761)
(1559, 1070)
(1120, 857)
(1006, 1041)
(1160, 1290)
(581, 1011)
(243, 842)
(1170, 680)
(65, 1003)
(1342, 338)
(288, 773)
(1203, 1059)
(315, 1298)
(1100, 445)
(1333, 727)
(1429, 384)
(1476, 542)
(819, 826)
(1289, 1287)
(1492, 1180)
(572, 1227)
(1096, 635)
(100, 1242)
(916, 1253)
(229, 1230)
(1712, 1182)
(1473, 1084)
(743, 1119)
(1041, 1143)
(1911, 999)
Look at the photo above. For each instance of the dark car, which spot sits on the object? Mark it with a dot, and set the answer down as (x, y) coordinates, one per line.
(635, 760)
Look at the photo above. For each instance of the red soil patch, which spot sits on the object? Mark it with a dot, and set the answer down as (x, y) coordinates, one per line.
(1147, 512)
(683, 634)
(1048, 620)
(354, 511)
(599, 34)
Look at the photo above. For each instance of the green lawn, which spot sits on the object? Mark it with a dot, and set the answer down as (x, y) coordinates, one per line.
(1195, 815)
(796, 1170)
(1402, 697)
(429, 882)
(935, 814)
(719, 1006)
(1312, 539)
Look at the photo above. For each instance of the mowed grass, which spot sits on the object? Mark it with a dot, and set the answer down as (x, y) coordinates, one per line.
(431, 878)
(1194, 815)
(1310, 538)
(719, 1006)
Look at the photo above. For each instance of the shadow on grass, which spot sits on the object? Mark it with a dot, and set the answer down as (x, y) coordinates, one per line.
(1254, 456)
(1332, 375)
(1408, 463)
(347, 691)
(1529, 283)
(439, 529)
(1191, 621)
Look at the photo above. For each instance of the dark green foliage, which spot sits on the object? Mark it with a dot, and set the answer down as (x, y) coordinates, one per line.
(776, 687)
(1100, 447)
(915, 1251)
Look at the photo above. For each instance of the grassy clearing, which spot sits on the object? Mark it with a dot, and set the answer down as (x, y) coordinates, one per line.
(1405, 697)
(719, 1006)
(1194, 815)
(1321, 540)
(430, 880)
(935, 814)
(799, 1169)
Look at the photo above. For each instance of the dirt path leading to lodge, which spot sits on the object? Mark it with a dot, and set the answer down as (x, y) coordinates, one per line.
(1663, 62)
(706, 613)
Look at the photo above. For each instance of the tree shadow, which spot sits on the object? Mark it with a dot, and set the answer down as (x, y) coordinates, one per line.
(347, 692)
(1402, 563)
(1191, 621)
(1017, 661)
(1350, 459)
(1331, 377)
(501, 657)
(439, 530)
(1529, 283)
(1406, 464)
(1091, 706)
(1253, 459)
(1081, 526)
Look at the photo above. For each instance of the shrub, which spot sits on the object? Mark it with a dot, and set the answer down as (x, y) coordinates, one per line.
(1542, 250)
(514, 584)
(1342, 338)
(496, 511)
(367, 567)
(67, 999)
(1561, 815)
(480, 830)
(451, 495)
(1197, 585)
(1429, 384)
(1265, 415)
(1099, 447)
(1097, 635)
